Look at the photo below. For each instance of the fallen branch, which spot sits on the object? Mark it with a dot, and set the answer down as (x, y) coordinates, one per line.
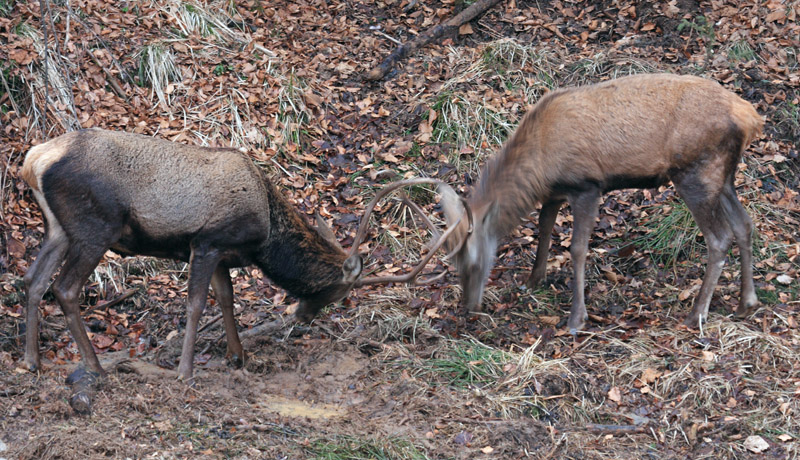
(116, 301)
(268, 328)
(434, 33)
(615, 429)
(110, 78)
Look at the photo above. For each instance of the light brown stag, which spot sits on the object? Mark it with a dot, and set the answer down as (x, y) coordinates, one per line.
(633, 132)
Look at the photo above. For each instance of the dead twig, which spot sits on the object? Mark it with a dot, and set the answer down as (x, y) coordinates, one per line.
(607, 429)
(430, 35)
(210, 323)
(116, 301)
(554, 449)
(111, 78)
(268, 328)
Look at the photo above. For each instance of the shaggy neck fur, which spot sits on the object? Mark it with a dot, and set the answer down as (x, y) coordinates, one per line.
(286, 260)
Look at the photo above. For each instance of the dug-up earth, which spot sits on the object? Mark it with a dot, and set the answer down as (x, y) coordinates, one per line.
(400, 372)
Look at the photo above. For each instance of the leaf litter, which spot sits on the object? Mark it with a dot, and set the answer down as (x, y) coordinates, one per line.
(284, 81)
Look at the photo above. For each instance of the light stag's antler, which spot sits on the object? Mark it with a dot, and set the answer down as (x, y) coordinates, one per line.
(437, 242)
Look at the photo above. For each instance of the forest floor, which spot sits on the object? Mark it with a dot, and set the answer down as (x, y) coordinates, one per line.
(398, 372)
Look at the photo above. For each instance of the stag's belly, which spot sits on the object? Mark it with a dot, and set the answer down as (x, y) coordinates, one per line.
(136, 242)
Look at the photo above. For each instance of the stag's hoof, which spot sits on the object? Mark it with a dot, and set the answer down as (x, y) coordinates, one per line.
(576, 323)
(692, 321)
(534, 281)
(745, 309)
(33, 365)
(303, 315)
(235, 360)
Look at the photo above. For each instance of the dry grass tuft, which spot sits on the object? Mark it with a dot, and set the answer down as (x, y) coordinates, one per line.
(157, 69)
(603, 67)
(384, 321)
(50, 89)
(205, 19)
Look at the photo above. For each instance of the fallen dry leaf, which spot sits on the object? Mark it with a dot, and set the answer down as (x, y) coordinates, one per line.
(650, 375)
(756, 444)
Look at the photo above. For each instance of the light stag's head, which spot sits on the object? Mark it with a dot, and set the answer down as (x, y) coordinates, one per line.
(473, 244)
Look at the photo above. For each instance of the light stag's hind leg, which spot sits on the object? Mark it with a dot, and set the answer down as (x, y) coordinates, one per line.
(584, 211)
(710, 215)
(223, 292)
(37, 278)
(742, 227)
(547, 219)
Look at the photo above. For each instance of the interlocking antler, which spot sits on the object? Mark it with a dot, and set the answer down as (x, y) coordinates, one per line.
(437, 242)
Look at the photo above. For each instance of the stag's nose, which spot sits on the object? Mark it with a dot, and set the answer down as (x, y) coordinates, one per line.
(472, 300)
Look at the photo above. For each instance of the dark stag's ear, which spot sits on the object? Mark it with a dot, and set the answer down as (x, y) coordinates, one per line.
(352, 269)
(325, 231)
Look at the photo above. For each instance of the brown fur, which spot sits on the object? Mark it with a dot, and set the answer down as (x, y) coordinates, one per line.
(638, 126)
(637, 131)
(211, 207)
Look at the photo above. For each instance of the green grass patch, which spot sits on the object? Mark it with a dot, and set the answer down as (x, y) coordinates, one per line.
(11, 85)
(205, 20)
(701, 26)
(671, 234)
(517, 66)
(704, 28)
(741, 51)
(466, 363)
(293, 115)
(351, 448)
(599, 67)
(787, 121)
(474, 129)
(6, 6)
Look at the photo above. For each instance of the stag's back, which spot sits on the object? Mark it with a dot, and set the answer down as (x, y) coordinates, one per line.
(636, 128)
(155, 187)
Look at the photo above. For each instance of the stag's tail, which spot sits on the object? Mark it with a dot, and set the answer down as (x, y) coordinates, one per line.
(748, 120)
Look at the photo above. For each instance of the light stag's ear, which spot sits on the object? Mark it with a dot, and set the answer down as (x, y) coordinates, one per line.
(326, 232)
(491, 215)
(451, 204)
(351, 270)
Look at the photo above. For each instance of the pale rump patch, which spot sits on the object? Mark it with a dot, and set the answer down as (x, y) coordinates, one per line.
(54, 229)
(40, 158)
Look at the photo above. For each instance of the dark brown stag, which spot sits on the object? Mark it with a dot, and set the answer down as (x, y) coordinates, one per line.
(633, 132)
(210, 207)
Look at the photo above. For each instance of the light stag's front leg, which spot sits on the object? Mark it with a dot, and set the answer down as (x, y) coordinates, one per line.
(547, 219)
(584, 211)
(202, 265)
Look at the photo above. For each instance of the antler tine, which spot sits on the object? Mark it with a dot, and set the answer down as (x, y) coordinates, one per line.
(414, 272)
(414, 207)
(362, 225)
(468, 211)
(431, 279)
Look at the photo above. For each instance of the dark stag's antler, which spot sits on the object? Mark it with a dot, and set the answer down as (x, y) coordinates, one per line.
(437, 241)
